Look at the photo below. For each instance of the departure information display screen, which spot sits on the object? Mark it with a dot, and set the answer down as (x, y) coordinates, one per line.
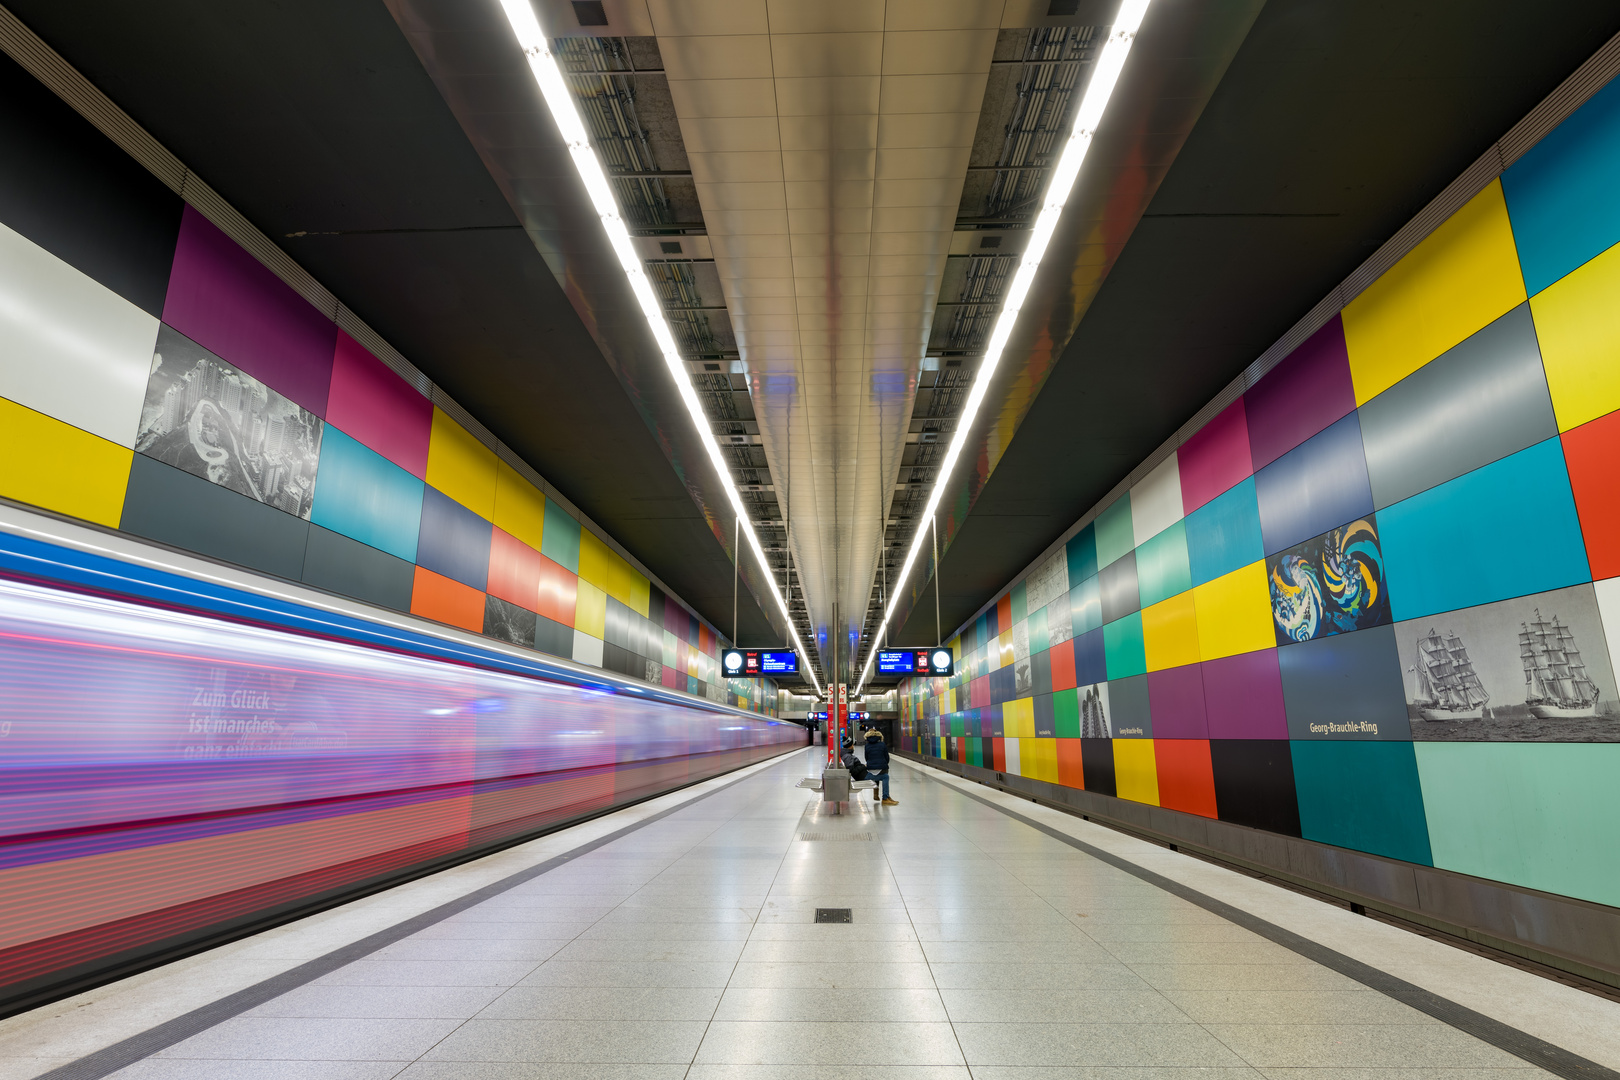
(752, 663)
(931, 662)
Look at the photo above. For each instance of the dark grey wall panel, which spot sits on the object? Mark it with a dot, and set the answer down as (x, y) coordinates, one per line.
(338, 564)
(553, 637)
(1117, 583)
(66, 187)
(174, 507)
(1480, 401)
(1129, 712)
(1345, 682)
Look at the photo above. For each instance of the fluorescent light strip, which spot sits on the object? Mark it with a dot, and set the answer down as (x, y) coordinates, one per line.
(1086, 119)
(537, 47)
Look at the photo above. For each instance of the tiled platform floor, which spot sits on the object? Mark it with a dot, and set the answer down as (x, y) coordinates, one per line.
(980, 947)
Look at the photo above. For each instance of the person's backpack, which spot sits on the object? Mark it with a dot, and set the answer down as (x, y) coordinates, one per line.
(856, 767)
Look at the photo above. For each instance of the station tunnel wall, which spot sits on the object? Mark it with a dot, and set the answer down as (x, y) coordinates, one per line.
(157, 379)
(1372, 603)
(183, 760)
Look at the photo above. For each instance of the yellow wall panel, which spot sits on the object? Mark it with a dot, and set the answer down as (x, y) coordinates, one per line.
(1136, 777)
(1170, 633)
(461, 466)
(53, 465)
(1464, 276)
(1018, 719)
(1039, 759)
(1234, 613)
(1004, 649)
(520, 508)
(595, 560)
(590, 610)
(1578, 323)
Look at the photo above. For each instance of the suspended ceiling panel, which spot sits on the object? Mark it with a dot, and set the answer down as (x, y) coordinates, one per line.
(828, 143)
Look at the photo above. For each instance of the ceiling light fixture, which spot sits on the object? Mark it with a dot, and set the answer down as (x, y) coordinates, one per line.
(1086, 118)
(537, 47)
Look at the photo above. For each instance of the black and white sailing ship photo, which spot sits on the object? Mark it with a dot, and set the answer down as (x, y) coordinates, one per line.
(1532, 669)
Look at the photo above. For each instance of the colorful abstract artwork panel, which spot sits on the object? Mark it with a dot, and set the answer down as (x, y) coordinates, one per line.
(1331, 584)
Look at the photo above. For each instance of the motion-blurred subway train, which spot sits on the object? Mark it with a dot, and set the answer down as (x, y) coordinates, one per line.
(189, 753)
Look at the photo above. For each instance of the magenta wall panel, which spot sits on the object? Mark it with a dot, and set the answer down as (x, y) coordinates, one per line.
(373, 405)
(1243, 697)
(232, 305)
(1176, 698)
(1305, 393)
(1215, 458)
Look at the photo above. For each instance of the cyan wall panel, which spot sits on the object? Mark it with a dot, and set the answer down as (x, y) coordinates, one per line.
(363, 495)
(1123, 643)
(1130, 711)
(1254, 784)
(1162, 568)
(454, 541)
(1505, 530)
(1345, 687)
(71, 190)
(1317, 486)
(1117, 588)
(1224, 534)
(1085, 606)
(1363, 796)
(1310, 389)
(1560, 194)
(1097, 761)
(1081, 553)
(232, 305)
(1541, 815)
(174, 507)
(1115, 533)
(1481, 400)
(349, 568)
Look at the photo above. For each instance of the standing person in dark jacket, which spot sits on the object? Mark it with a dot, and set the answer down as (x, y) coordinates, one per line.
(877, 766)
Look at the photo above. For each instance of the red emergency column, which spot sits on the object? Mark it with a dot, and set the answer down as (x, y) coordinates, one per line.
(837, 724)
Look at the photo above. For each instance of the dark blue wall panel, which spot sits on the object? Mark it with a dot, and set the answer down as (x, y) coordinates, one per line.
(453, 541)
(1317, 486)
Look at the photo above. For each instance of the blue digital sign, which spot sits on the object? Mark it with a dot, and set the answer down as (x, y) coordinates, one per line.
(930, 662)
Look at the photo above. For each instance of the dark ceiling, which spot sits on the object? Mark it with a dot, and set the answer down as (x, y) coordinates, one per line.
(1334, 125)
(315, 119)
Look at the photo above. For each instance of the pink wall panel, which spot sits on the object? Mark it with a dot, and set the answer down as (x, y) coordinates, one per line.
(372, 404)
(1215, 458)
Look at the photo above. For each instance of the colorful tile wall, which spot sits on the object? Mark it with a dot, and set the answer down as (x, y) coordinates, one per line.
(162, 381)
(1375, 601)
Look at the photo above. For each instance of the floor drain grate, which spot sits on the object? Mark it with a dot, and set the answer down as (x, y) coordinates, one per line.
(834, 914)
(835, 836)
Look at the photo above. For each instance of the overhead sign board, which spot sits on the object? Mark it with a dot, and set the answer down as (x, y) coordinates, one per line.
(753, 663)
(929, 662)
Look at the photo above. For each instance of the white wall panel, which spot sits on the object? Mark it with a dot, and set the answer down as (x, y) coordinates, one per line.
(1156, 500)
(70, 347)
